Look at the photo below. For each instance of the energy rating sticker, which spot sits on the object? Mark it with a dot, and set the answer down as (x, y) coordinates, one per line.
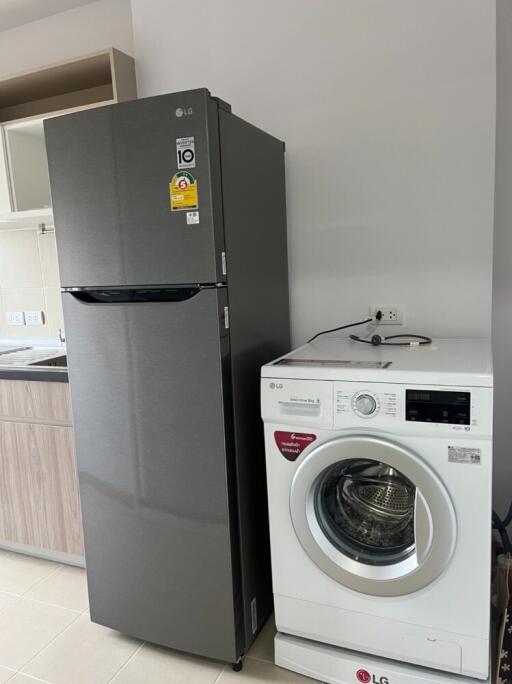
(183, 192)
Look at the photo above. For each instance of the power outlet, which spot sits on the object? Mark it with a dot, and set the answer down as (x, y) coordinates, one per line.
(15, 318)
(34, 318)
(391, 315)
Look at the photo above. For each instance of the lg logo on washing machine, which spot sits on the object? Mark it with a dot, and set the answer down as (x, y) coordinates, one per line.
(365, 677)
(276, 385)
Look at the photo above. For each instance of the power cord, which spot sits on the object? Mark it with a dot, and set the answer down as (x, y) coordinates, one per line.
(378, 316)
(501, 527)
(378, 340)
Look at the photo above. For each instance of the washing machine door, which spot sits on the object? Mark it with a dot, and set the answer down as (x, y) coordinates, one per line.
(373, 516)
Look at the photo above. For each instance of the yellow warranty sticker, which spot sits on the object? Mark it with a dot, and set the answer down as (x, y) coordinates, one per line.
(183, 191)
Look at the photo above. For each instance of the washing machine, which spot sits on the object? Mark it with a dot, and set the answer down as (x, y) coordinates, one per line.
(379, 467)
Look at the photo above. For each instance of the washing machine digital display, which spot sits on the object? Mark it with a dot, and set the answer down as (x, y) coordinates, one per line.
(425, 406)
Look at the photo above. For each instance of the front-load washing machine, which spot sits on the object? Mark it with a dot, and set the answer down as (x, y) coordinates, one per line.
(379, 464)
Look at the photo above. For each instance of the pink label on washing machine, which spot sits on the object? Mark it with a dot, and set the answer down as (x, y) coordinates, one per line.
(292, 444)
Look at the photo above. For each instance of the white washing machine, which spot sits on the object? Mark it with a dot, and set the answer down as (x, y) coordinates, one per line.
(379, 466)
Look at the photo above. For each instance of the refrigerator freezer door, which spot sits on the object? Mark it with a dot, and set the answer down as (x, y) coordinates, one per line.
(110, 172)
(147, 395)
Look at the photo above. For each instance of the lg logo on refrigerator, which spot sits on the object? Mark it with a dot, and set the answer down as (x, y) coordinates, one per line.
(365, 677)
(184, 111)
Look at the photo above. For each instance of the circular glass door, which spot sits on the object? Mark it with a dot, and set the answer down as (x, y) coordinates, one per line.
(366, 509)
(373, 515)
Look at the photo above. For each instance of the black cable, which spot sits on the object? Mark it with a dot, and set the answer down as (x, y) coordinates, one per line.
(500, 526)
(378, 341)
(508, 518)
(341, 327)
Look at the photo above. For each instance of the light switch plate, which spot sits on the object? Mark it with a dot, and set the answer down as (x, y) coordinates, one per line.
(15, 318)
(34, 318)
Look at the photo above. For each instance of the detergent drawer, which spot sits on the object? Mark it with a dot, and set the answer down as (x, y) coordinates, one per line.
(297, 402)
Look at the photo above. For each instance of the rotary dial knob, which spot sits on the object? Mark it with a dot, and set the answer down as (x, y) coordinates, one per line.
(365, 404)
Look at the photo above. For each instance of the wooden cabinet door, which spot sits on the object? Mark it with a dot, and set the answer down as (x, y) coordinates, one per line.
(39, 499)
(39, 402)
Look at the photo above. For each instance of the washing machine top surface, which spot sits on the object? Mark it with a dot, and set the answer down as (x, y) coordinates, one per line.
(459, 362)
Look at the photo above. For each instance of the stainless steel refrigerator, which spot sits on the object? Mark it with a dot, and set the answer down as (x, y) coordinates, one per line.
(171, 233)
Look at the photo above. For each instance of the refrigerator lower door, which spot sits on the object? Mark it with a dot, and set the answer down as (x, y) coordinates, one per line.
(147, 393)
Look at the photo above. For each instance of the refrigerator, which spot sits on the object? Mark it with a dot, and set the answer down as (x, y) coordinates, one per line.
(170, 221)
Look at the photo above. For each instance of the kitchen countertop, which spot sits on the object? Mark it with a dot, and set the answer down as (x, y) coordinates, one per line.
(17, 363)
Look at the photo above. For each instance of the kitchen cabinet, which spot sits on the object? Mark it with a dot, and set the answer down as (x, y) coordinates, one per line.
(39, 496)
(94, 80)
(89, 80)
(28, 166)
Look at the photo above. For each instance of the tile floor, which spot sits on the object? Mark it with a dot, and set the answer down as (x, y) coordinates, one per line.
(46, 636)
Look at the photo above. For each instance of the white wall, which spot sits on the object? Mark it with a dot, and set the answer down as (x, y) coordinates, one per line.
(89, 28)
(387, 109)
(502, 295)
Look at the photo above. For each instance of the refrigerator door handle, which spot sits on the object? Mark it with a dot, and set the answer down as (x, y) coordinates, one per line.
(134, 295)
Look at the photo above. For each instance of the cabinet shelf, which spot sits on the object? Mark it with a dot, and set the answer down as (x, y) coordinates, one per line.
(102, 77)
(26, 219)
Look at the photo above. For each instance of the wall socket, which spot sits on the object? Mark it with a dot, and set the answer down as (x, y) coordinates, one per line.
(391, 315)
(15, 318)
(34, 318)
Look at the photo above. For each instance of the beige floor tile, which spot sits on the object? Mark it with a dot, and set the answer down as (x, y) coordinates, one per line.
(162, 666)
(6, 674)
(18, 573)
(67, 587)
(20, 678)
(263, 647)
(7, 600)
(85, 653)
(28, 626)
(258, 672)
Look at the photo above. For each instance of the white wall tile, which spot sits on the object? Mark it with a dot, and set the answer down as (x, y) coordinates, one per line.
(29, 281)
(49, 262)
(54, 315)
(20, 264)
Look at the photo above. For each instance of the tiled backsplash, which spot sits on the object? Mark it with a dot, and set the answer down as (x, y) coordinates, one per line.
(29, 281)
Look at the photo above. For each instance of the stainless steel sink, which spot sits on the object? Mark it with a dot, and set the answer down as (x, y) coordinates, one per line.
(10, 350)
(55, 361)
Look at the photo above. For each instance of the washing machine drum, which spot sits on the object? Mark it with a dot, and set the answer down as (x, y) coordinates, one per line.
(367, 511)
(373, 515)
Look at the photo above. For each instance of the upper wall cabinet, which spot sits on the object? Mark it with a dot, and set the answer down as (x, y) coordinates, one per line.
(28, 166)
(25, 100)
(88, 81)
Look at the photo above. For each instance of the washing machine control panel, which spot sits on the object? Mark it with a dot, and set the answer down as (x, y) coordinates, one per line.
(412, 409)
(365, 402)
(400, 408)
